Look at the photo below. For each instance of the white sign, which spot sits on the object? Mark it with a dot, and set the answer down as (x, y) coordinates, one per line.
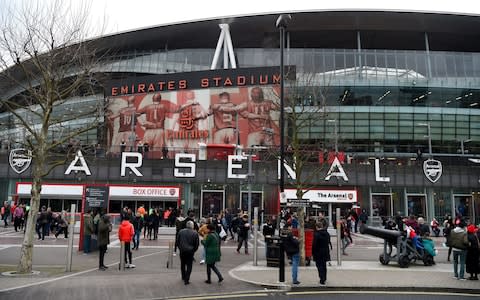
(327, 196)
(432, 169)
(20, 159)
(144, 191)
(53, 189)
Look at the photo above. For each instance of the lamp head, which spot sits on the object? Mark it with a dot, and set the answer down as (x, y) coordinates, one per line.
(282, 21)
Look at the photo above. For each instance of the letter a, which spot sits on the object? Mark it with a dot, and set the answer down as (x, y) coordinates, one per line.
(83, 165)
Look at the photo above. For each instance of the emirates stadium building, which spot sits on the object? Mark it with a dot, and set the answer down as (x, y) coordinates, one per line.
(393, 103)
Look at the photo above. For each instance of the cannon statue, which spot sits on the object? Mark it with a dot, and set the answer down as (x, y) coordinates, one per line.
(408, 250)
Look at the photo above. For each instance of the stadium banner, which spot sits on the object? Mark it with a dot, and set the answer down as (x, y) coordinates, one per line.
(159, 114)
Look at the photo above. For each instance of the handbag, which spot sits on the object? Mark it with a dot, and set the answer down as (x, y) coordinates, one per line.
(222, 233)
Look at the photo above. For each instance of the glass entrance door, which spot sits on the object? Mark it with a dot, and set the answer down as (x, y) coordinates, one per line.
(381, 205)
(212, 203)
(416, 205)
(464, 206)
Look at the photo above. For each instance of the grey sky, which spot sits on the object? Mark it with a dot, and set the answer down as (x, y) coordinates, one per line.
(125, 15)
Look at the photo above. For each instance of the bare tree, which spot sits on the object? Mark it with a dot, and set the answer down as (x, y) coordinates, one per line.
(305, 108)
(45, 61)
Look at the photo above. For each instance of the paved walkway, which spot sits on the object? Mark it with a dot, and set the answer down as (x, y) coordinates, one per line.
(358, 274)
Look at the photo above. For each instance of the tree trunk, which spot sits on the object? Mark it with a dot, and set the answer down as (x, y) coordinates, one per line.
(301, 234)
(26, 253)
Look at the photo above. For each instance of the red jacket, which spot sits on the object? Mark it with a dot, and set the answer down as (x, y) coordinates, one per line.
(125, 231)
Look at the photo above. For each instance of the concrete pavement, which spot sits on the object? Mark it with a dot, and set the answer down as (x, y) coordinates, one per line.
(151, 279)
(359, 274)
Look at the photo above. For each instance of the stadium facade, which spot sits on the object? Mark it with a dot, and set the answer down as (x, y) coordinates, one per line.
(394, 108)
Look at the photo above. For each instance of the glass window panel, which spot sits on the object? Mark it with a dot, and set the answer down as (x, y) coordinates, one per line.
(347, 122)
(450, 65)
(391, 123)
(448, 117)
(448, 131)
(378, 135)
(391, 116)
(462, 118)
(376, 116)
(361, 135)
(462, 124)
(405, 136)
(376, 122)
(361, 122)
(459, 64)
(468, 64)
(447, 137)
(408, 124)
(405, 116)
(463, 131)
(361, 116)
(447, 124)
(406, 129)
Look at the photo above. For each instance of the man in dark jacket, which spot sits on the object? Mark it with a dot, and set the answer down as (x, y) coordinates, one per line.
(104, 228)
(321, 250)
(243, 231)
(137, 227)
(292, 248)
(459, 242)
(187, 242)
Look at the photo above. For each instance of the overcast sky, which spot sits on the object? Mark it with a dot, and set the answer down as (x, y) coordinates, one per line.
(125, 15)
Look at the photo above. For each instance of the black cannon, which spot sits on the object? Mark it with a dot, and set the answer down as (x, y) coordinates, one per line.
(407, 251)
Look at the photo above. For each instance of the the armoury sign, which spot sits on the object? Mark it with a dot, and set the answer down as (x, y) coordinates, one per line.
(20, 160)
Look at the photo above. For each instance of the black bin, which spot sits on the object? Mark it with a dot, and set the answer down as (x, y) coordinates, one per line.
(273, 250)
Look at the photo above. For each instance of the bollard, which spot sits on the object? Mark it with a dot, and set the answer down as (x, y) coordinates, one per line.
(339, 239)
(170, 254)
(71, 228)
(255, 236)
(121, 266)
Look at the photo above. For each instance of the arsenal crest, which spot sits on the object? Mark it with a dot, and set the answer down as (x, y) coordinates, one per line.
(432, 169)
(20, 159)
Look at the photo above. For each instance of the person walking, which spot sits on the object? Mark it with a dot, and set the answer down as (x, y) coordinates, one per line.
(212, 253)
(459, 244)
(243, 231)
(88, 230)
(187, 243)
(137, 228)
(18, 217)
(104, 229)
(292, 248)
(471, 262)
(321, 250)
(125, 235)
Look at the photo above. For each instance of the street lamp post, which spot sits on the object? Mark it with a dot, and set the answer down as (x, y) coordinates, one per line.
(281, 24)
(462, 145)
(429, 137)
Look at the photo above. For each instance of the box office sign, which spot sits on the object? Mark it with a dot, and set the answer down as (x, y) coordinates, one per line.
(96, 197)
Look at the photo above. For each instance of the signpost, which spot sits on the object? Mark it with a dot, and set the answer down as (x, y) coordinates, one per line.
(96, 197)
(298, 202)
